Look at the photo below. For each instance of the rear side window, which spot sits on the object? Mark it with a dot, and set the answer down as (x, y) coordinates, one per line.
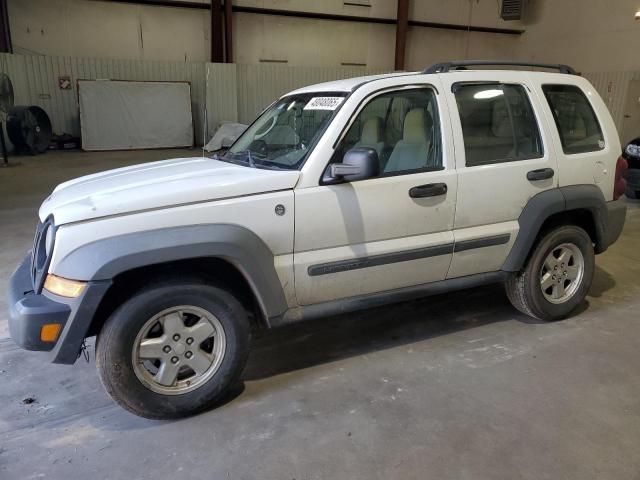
(498, 123)
(577, 123)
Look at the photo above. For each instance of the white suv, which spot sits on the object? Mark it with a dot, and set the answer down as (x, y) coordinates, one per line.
(340, 196)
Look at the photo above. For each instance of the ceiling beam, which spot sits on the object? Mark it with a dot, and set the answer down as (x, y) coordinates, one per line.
(325, 16)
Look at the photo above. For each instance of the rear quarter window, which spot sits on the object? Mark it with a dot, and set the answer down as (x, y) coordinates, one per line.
(577, 123)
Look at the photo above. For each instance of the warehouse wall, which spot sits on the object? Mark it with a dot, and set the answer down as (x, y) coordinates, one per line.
(84, 28)
(219, 92)
(593, 36)
(599, 38)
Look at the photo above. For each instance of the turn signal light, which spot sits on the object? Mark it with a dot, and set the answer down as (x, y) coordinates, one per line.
(64, 287)
(49, 332)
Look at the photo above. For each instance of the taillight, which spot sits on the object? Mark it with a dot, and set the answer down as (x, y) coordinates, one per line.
(620, 184)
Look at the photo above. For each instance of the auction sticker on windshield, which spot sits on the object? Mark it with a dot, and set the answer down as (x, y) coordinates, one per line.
(323, 103)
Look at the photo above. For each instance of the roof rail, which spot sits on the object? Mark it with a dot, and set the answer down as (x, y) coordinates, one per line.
(448, 66)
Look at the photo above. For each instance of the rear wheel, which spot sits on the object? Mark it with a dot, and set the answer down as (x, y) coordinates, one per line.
(173, 350)
(557, 276)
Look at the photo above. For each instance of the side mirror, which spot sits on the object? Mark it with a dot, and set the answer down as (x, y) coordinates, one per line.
(632, 150)
(358, 164)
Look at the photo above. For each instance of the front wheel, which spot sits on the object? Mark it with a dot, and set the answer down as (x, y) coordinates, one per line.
(173, 350)
(557, 276)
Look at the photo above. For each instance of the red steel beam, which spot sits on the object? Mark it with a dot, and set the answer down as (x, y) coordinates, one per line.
(217, 51)
(402, 25)
(228, 31)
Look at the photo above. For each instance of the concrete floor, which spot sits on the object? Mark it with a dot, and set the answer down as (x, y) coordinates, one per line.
(455, 386)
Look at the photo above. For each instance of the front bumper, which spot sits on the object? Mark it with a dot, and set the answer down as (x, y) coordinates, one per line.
(30, 311)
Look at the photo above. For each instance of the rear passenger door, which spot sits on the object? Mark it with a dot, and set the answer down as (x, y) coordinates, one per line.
(503, 158)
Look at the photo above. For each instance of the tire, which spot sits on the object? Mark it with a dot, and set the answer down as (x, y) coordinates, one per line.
(525, 289)
(123, 338)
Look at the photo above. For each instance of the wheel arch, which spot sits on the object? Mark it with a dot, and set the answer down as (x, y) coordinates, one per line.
(220, 253)
(581, 205)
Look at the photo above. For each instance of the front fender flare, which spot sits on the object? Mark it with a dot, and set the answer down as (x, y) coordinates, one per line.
(104, 259)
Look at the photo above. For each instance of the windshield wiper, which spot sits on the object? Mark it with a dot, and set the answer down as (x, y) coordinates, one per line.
(252, 164)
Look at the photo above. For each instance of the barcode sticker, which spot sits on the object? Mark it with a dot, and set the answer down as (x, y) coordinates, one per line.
(323, 103)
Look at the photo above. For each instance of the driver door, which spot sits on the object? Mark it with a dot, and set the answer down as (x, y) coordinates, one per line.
(372, 235)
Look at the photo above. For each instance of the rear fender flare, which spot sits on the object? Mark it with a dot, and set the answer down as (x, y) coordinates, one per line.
(545, 204)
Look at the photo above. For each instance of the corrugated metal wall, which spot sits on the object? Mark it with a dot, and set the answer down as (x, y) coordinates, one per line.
(259, 85)
(219, 92)
(35, 82)
(613, 88)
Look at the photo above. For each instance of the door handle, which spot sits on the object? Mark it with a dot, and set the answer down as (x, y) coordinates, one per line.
(540, 174)
(428, 190)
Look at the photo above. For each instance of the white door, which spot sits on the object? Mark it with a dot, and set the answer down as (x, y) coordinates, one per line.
(503, 158)
(387, 232)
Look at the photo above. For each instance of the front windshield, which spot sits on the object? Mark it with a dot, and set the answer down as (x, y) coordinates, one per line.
(283, 135)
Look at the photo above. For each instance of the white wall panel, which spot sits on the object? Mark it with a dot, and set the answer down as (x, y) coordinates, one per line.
(35, 81)
(230, 92)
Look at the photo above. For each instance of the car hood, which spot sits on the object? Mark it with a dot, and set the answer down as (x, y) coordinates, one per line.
(159, 184)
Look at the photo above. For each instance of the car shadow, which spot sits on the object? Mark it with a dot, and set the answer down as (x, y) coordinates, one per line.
(602, 283)
(333, 338)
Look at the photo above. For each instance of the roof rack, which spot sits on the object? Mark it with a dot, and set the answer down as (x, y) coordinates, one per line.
(448, 66)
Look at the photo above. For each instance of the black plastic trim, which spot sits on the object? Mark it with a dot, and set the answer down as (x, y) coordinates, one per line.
(608, 219)
(448, 66)
(482, 242)
(377, 260)
(397, 257)
(362, 302)
(104, 259)
(28, 312)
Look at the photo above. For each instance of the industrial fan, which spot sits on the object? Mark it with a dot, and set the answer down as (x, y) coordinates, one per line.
(29, 129)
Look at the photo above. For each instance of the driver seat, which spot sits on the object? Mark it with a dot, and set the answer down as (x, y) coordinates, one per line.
(412, 152)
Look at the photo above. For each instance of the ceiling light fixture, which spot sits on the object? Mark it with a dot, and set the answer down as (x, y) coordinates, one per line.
(486, 94)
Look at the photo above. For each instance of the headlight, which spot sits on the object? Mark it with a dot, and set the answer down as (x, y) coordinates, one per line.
(48, 240)
(633, 150)
(63, 286)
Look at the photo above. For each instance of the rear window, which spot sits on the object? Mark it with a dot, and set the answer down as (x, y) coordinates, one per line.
(577, 123)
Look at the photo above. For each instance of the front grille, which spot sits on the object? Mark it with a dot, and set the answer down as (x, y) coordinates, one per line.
(34, 251)
(39, 258)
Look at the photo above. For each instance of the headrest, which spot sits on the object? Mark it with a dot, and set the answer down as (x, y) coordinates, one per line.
(417, 126)
(500, 123)
(371, 131)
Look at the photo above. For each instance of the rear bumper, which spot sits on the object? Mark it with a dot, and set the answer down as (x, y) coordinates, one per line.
(616, 215)
(28, 312)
